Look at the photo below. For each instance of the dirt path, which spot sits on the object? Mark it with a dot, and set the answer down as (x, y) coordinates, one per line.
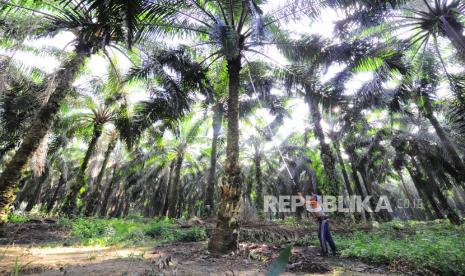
(43, 249)
(172, 259)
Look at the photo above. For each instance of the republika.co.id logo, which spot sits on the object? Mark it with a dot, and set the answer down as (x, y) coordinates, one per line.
(343, 204)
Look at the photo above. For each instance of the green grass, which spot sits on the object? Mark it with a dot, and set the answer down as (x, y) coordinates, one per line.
(130, 231)
(424, 247)
(17, 218)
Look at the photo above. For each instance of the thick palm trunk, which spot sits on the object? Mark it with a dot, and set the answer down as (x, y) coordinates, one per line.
(69, 206)
(175, 189)
(120, 204)
(39, 183)
(217, 123)
(359, 190)
(358, 184)
(155, 200)
(258, 179)
(107, 194)
(422, 186)
(434, 187)
(367, 192)
(181, 200)
(326, 154)
(343, 169)
(459, 198)
(224, 236)
(53, 198)
(162, 197)
(93, 198)
(168, 189)
(450, 185)
(350, 191)
(59, 85)
(408, 194)
(25, 189)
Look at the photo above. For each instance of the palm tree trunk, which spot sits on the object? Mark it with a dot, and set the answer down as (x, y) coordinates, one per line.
(107, 194)
(168, 189)
(37, 189)
(160, 211)
(53, 198)
(433, 185)
(446, 142)
(69, 206)
(326, 154)
(93, 198)
(181, 200)
(422, 186)
(175, 189)
(120, 204)
(358, 186)
(343, 169)
(350, 191)
(25, 186)
(217, 124)
(366, 191)
(59, 85)
(366, 184)
(155, 201)
(224, 236)
(258, 178)
(455, 34)
(458, 200)
(408, 194)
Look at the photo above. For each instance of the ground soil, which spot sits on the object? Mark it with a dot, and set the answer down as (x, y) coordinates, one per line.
(41, 248)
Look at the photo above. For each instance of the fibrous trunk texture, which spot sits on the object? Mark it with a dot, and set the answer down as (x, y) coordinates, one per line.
(59, 86)
(224, 236)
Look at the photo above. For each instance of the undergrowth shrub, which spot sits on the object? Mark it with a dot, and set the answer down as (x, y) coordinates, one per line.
(425, 247)
(17, 218)
(193, 234)
(161, 229)
(92, 231)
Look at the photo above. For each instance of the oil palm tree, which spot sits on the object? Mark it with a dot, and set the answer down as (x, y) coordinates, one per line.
(93, 30)
(234, 27)
(423, 164)
(171, 78)
(303, 76)
(92, 200)
(18, 103)
(419, 83)
(434, 19)
(185, 134)
(97, 119)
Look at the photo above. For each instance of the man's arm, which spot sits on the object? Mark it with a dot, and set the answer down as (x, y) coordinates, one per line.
(302, 198)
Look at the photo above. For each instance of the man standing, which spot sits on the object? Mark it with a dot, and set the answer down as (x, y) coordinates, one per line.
(315, 208)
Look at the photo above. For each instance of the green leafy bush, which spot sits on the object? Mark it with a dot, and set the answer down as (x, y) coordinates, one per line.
(86, 228)
(193, 234)
(159, 229)
(156, 231)
(92, 231)
(16, 218)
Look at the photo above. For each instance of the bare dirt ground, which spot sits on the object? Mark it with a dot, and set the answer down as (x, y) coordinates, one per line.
(41, 249)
